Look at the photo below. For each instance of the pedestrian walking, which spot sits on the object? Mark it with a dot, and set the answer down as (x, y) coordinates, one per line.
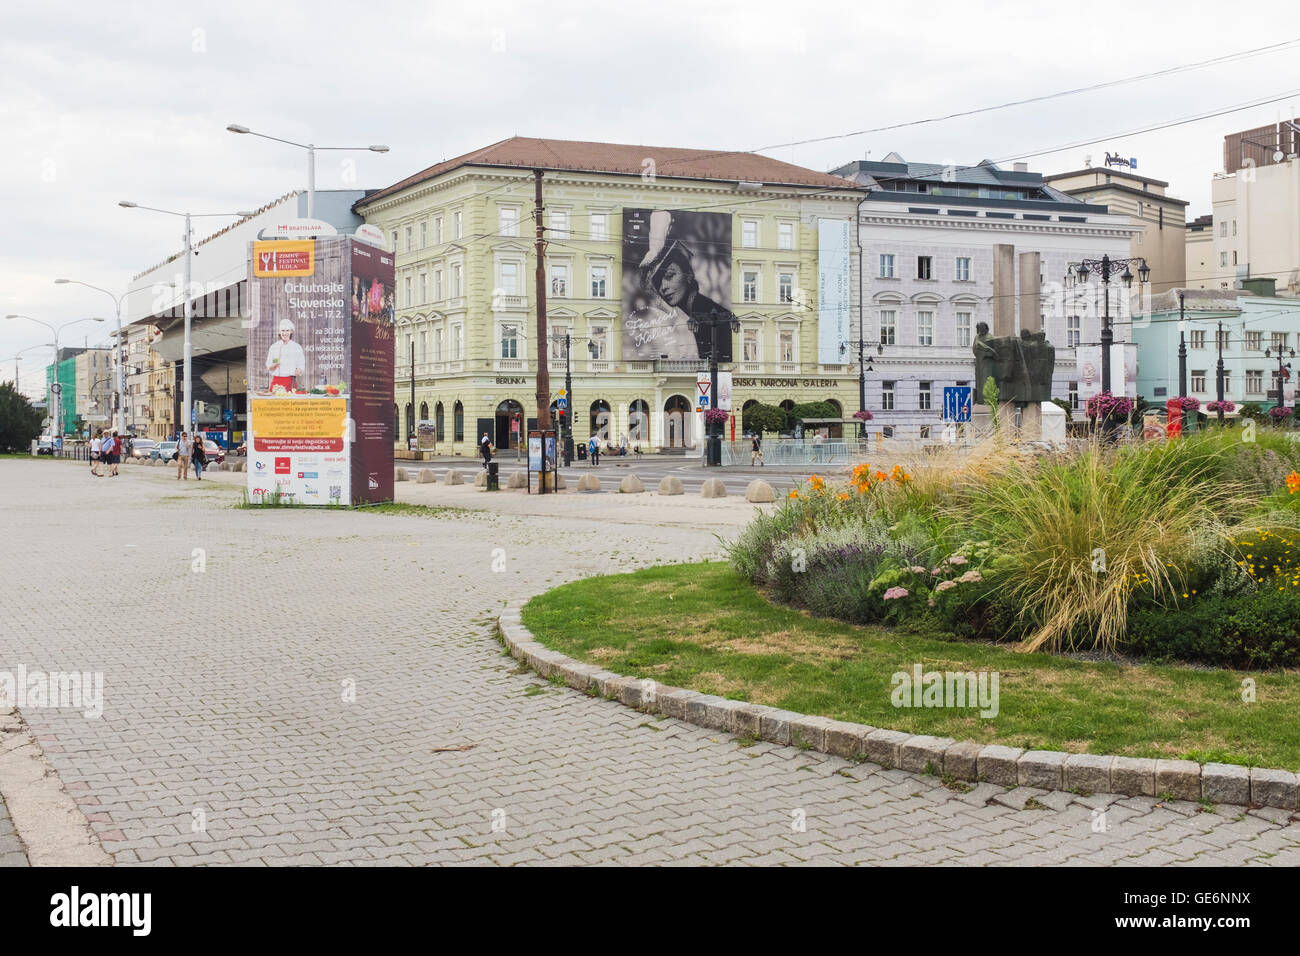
(756, 450)
(593, 451)
(485, 449)
(200, 458)
(96, 449)
(622, 447)
(183, 449)
(114, 453)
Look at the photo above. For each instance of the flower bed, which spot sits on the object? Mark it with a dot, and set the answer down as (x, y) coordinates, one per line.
(1057, 552)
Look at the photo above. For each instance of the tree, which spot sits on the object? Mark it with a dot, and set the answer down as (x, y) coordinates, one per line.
(809, 410)
(19, 421)
(765, 418)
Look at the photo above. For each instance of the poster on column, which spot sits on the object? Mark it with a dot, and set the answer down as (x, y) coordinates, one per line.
(832, 291)
(320, 329)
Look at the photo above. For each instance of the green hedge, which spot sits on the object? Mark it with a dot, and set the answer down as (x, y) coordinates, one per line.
(1249, 631)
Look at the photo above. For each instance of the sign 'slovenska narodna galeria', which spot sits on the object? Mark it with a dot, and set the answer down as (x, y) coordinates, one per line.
(320, 371)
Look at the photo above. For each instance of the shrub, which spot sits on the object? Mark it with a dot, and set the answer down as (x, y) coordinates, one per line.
(1260, 630)
(760, 418)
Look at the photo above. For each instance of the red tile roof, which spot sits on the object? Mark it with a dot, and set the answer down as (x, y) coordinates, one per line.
(525, 152)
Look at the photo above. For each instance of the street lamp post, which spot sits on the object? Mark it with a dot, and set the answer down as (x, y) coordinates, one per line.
(46, 345)
(1218, 371)
(1106, 265)
(1283, 371)
(714, 319)
(56, 388)
(311, 159)
(1182, 349)
(187, 412)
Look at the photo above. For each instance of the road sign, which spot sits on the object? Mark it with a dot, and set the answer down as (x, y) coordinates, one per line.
(703, 397)
(194, 415)
(228, 415)
(956, 403)
(562, 402)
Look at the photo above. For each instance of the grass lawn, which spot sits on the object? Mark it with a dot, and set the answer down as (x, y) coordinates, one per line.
(704, 627)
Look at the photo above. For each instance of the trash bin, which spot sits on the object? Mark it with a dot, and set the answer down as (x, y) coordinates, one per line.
(582, 451)
(494, 476)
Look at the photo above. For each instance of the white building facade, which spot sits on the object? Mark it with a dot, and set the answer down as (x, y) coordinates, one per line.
(927, 235)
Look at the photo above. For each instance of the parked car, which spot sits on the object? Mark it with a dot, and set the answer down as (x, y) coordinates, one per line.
(213, 451)
(163, 451)
(142, 448)
(45, 445)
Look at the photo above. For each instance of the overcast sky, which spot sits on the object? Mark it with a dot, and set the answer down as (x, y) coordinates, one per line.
(101, 102)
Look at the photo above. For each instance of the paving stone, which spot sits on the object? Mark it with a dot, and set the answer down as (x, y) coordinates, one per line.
(1088, 772)
(1273, 788)
(1135, 776)
(923, 752)
(1179, 778)
(998, 764)
(1044, 769)
(1225, 783)
(846, 739)
(884, 747)
(961, 760)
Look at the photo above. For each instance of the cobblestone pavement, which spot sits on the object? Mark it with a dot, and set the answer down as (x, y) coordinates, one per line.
(11, 850)
(359, 709)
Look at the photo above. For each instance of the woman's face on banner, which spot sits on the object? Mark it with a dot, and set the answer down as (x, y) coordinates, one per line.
(674, 285)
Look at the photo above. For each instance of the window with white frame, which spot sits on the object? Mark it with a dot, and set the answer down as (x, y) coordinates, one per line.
(508, 220)
(1254, 341)
(424, 287)
(749, 345)
(923, 396)
(559, 224)
(510, 278)
(1221, 339)
(394, 240)
(457, 341)
(405, 357)
(599, 281)
(1227, 381)
(749, 233)
(1074, 394)
(785, 235)
(437, 345)
(963, 329)
(559, 280)
(887, 396)
(1223, 258)
(1223, 229)
(1254, 382)
(888, 326)
(785, 346)
(424, 233)
(925, 328)
(961, 271)
(1198, 380)
(1073, 331)
(925, 267)
(600, 339)
(437, 285)
(886, 265)
(455, 280)
(437, 231)
(599, 226)
(509, 341)
(422, 345)
(785, 286)
(1196, 339)
(457, 221)
(1279, 340)
(408, 238)
(749, 286)
(407, 286)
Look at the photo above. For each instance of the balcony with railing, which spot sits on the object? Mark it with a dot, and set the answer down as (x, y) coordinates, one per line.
(681, 365)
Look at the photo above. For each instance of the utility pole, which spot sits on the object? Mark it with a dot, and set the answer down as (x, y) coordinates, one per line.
(543, 370)
(1218, 371)
(410, 418)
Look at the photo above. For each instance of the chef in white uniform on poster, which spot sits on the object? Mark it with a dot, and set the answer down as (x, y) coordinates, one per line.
(285, 359)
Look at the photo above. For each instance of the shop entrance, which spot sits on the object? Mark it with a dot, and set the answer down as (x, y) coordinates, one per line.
(504, 436)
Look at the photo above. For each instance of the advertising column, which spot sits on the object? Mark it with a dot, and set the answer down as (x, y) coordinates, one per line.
(373, 358)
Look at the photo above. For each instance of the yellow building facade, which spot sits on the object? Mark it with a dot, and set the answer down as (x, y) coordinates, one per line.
(466, 316)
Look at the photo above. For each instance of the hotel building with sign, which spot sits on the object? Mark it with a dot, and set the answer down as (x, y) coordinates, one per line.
(638, 238)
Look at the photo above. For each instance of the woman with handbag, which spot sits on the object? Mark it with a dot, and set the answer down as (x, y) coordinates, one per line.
(199, 457)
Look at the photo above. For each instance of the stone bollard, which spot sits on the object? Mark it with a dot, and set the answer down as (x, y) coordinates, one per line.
(453, 477)
(480, 480)
(558, 481)
(713, 488)
(401, 475)
(517, 479)
(631, 485)
(670, 485)
(589, 482)
(759, 492)
(425, 476)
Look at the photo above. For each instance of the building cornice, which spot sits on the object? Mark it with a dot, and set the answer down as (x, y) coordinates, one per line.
(1123, 231)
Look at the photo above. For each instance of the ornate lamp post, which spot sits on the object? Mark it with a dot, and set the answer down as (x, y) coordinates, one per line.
(1105, 266)
(714, 320)
(1283, 371)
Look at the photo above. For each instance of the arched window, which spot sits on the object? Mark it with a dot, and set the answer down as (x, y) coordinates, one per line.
(397, 422)
(600, 419)
(410, 421)
(638, 421)
(438, 421)
(424, 411)
(458, 422)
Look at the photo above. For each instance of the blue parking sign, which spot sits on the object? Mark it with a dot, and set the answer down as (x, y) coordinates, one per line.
(956, 403)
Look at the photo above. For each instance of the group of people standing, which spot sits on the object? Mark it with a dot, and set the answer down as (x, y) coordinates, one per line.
(190, 451)
(106, 454)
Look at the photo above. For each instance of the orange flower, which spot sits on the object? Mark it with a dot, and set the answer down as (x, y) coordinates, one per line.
(881, 476)
(1293, 482)
(817, 483)
(793, 494)
(843, 496)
